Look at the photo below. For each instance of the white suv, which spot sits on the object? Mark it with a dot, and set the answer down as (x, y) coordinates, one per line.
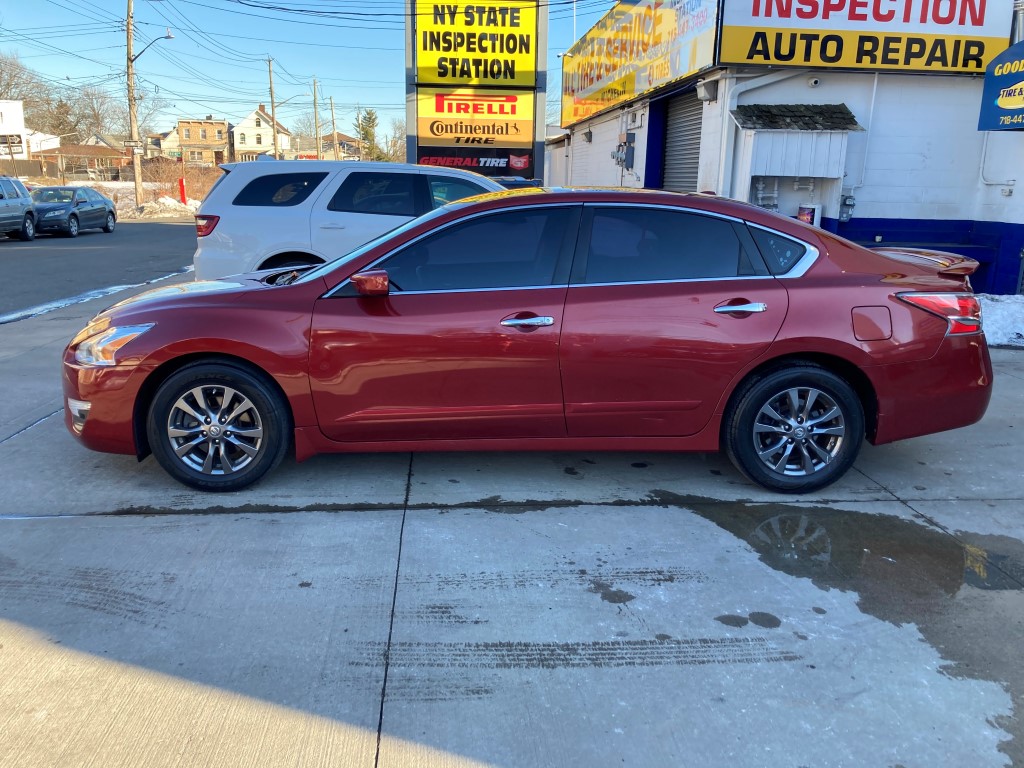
(284, 213)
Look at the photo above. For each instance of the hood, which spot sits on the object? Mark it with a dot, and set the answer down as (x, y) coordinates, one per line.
(183, 294)
(47, 207)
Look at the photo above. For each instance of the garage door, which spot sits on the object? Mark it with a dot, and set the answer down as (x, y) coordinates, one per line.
(682, 143)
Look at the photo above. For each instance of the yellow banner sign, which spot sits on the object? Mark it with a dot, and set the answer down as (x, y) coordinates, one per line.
(638, 46)
(858, 50)
(473, 117)
(486, 42)
(905, 35)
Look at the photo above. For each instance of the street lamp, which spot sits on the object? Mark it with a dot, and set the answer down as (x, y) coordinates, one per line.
(133, 116)
(273, 117)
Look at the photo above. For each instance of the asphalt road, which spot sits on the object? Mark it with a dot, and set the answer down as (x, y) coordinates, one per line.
(52, 268)
(466, 610)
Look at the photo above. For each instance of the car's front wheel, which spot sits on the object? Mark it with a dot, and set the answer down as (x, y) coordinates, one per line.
(73, 226)
(28, 228)
(218, 426)
(794, 430)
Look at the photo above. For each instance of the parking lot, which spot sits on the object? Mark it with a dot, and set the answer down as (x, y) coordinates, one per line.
(545, 609)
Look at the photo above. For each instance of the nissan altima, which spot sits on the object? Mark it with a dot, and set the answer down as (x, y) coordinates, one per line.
(541, 319)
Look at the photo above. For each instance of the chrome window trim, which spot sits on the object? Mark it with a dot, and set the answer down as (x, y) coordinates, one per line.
(670, 282)
(373, 265)
(667, 207)
(806, 261)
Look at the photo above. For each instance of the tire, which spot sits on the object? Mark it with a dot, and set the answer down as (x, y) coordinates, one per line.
(108, 227)
(72, 226)
(28, 228)
(291, 264)
(251, 442)
(772, 437)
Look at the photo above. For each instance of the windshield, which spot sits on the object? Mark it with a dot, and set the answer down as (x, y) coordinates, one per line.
(53, 195)
(330, 266)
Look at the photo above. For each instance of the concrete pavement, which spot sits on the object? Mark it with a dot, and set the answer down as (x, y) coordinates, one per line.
(506, 609)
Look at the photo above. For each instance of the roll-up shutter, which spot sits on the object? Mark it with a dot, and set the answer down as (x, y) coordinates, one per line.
(682, 143)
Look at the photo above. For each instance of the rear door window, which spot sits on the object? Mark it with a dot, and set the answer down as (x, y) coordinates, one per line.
(278, 190)
(392, 194)
(633, 244)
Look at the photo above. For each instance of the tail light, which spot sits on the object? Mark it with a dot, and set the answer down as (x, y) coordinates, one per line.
(205, 225)
(962, 310)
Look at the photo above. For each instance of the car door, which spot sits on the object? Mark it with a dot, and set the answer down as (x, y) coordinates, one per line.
(9, 209)
(649, 342)
(94, 204)
(464, 346)
(363, 205)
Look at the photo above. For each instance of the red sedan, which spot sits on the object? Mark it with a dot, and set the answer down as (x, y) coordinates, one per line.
(546, 320)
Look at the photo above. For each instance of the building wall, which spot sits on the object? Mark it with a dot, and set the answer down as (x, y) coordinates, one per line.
(920, 171)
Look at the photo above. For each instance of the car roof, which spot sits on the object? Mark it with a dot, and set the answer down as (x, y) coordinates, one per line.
(286, 166)
(698, 201)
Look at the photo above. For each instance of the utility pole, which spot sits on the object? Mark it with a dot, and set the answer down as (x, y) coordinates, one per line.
(273, 108)
(316, 124)
(133, 116)
(334, 131)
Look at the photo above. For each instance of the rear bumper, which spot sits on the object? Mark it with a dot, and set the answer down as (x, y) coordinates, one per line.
(949, 391)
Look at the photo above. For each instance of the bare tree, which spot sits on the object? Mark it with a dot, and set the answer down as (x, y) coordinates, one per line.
(394, 142)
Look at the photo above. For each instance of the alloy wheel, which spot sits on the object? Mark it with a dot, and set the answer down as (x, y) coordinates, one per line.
(799, 431)
(215, 430)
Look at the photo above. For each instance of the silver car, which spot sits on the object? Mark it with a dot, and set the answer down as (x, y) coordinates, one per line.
(17, 213)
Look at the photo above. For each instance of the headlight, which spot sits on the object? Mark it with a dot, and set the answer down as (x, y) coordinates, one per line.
(54, 214)
(102, 348)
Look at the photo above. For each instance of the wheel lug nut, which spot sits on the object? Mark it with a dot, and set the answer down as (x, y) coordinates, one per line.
(207, 419)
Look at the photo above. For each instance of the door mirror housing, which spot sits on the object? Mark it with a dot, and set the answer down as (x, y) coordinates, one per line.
(372, 282)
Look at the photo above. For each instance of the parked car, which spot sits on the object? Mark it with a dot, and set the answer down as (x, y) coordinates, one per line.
(69, 210)
(546, 319)
(17, 213)
(517, 182)
(266, 215)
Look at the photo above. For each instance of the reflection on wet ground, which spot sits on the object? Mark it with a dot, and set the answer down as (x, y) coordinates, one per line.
(963, 591)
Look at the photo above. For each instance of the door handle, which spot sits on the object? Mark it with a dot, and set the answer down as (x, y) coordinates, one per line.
(528, 322)
(332, 226)
(728, 309)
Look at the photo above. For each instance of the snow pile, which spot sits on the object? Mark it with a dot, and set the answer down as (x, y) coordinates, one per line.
(161, 208)
(1003, 318)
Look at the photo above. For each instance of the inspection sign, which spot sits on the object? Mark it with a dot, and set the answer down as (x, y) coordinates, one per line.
(907, 35)
(487, 42)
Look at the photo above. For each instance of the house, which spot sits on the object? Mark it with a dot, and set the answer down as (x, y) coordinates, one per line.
(108, 140)
(348, 147)
(204, 142)
(84, 161)
(254, 136)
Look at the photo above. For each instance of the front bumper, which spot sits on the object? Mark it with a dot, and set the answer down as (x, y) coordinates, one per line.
(106, 423)
(55, 224)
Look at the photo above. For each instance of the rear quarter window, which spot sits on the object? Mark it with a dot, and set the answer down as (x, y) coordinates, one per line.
(781, 253)
(279, 190)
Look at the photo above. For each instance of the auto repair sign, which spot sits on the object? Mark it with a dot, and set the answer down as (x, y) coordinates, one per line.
(903, 35)
(473, 117)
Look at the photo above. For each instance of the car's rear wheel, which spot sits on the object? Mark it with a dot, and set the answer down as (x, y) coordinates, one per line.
(794, 430)
(111, 223)
(73, 226)
(28, 229)
(217, 426)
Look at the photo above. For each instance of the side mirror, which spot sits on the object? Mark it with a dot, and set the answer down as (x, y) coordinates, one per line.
(373, 282)
(79, 202)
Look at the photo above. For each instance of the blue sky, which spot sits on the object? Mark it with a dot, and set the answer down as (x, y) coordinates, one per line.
(216, 63)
